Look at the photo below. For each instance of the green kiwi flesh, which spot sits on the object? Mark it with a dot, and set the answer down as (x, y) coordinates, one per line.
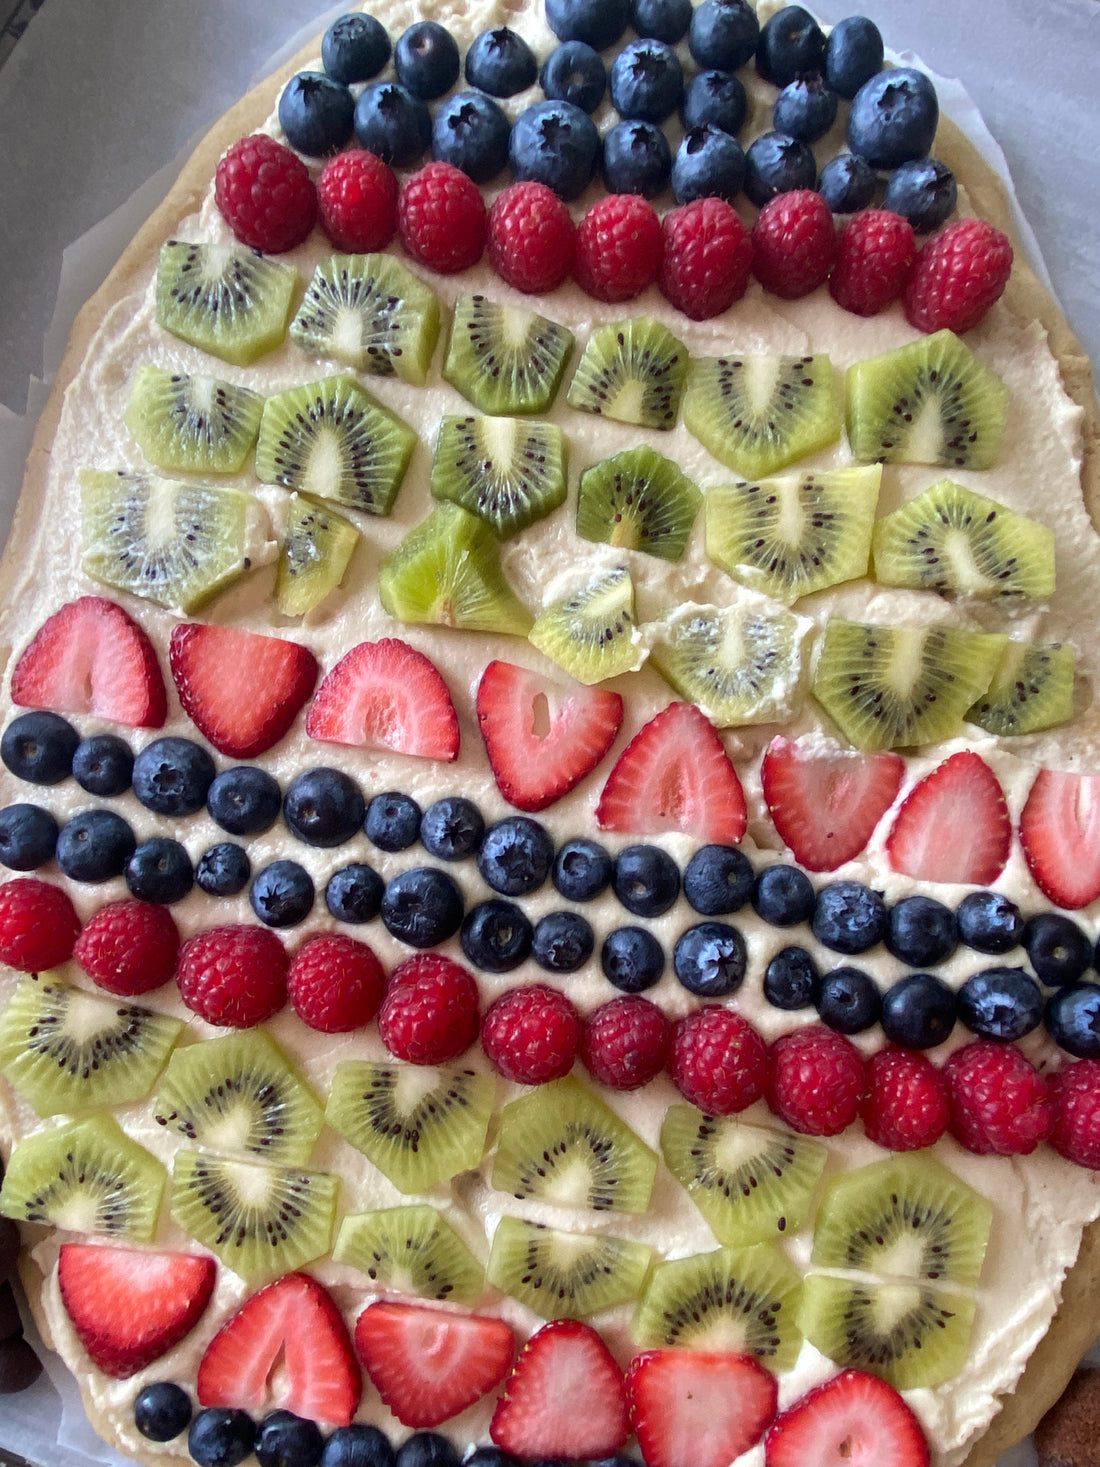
(315, 555)
(756, 415)
(410, 1250)
(592, 633)
(638, 500)
(192, 424)
(563, 1275)
(225, 299)
(372, 313)
(508, 471)
(1032, 689)
(505, 359)
(633, 371)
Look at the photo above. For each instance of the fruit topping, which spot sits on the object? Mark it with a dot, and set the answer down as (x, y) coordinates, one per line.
(557, 144)
(335, 984)
(221, 1434)
(316, 113)
(723, 34)
(791, 979)
(224, 299)
(392, 123)
(441, 218)
(470, 132)
(826, 802)
(716, 97)
(192, 424)
(646, 80)
(582, 869)
(95, 845)
(718, 880)
(1058, 950)
(794, 243)
(759, 414)
(853, 54)
(355, 47)
(849, 917)
(777, 164)
(371, 312)
(162, 1411)
(953, 825)
(905, 1106)
(707, 257)
(357, 201)
(430, 1012)
(632, 371)
(1000, 1104)
(815, 1080)
(40, 747)
(421, 906)
(38, 924)
(505, 359)
(1032, 689)
(875, 255)
(692, 1405)
(532, 237)
(265, 193)
(636, 159)
(1073, 1019)
(632, 959)
(624, 1043)
(1076, 1095)
(619, 247)
(638, 500)
(233, 976)
(426, 59)
(717, 1060)
(386, 695)
(452, 828)
(1060, 834)
(783, 895)
(923, 191)
(317, 547)
(893, 117)
(510, 472)
(848, 184)
(573, 72)
(410, 1250)
(591, 634)
(500, 62)
(564, 1275)
(531, 1034)
(791, 42)
(282, 894)
(223, 869)
(958, 275)
(28, 837)
(565, 1360)
(806, 108)
(854, 1418)
(709, 959)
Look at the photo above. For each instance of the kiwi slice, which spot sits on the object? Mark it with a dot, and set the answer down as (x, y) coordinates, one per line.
(592, 634)
(225, 299)
(505, 359)
(562, 1275)
(238, 1094)
(506, 471)
(446, 572)
(907, 1333)
(332, 440)
(173, 543)
(315, 555)
(931, 402)
(417, 1124)
(86, 1177)
(887, 687)
(372, 313)
(739, 1299)
(758, 414)
(259, 1220)
(410, 1250)
(638, 500)
(1032, 689)
(633, 371)
(562, 1145)
(751, 1183)
(65, 1050)
(192, 425)
(794, 535)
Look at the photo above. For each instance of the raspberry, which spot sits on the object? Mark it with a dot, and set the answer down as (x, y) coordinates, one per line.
(717, 1060)
(38, 925)
(357, 201)
(532, 238)
(707, 258)
(905, 1106)
(625, 1043)
(129, 947)
(266, 194)
(234, 976)
(429, 1014)
(335, 983)
(793, 243)
(531, 1034)
(441, 218)
(618, 248)
(1000, 1104)
(874, 258)
(815, 1080)
(957, 276)
(1076, 1094)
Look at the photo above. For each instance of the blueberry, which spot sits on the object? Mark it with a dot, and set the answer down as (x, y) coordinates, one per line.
(582, 869)
(393, 821)
(723, 34)
(495, 936)
(556, 144)
(393, 123)
(103, 765)
(282, 894)
(718, 880)
(426, 59)
(287, 1440)
(471, 132)
(501, 63)
(1001, 1003)
(922, 932)
(160, 870)
(708, 163)
(918, 1011)
(244, 800)
(422, 907)
(354, 48)
(1057, 948)
(324, 807)
(709, 959)
(716, 97)
(574, 73)
(28, 837)
(776, 164)
(791, 41)
(663, 20)
(562, 942)
(94, 846)
(515, 856)
(599, 23)
(354, 893)
(221, 1436)
(173, 776)
(646, 81)
(452, 828)
(853, 54)
(1073, 1019)
(790, 979)
(848, 1001)
(647, 880)
(847, 183)
(426, 1449)
(632, 959)
(358, 1445)
(783, 896)
(893, 117)
(989, 922)
(636, 159)
(316, 113)
(162, 1411)
(223, 869)
(805, 108)
(849, 917)
(39, 747)
(922, 191)
(492, 1457)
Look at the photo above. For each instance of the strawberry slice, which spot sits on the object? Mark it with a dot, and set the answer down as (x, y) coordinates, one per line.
(386, 695)
(953, 825)
(690, 1408)
(1060, 834)
(242, 690)
(286, 1348)
(90, 657)
(853, 1420)
(130, 1307)
(542, 737)
(675, 775)
(564, 1398)
(428, 1364)
(826, 802)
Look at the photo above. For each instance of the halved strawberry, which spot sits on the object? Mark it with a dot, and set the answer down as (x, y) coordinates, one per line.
(853, 1420)
(542, 737)
(386, 695)
(953, 825)
(564, 1398)
(130, 1307)
(1060, 834)
(242, 690)
(826, 801)
(692, 1408)
(91, 657)
(675, 775)
(429, 1364)
(286, 1348)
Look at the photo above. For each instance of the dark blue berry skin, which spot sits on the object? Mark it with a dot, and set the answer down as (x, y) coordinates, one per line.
(221, 1436)
(160, 871)
(393, 821)
(501, 63)
(923, 191)
(426, 59)
(393, 123)
(223, 869)
(776, 164)
(893, 117)
(662, 20)
(848, 1000)
(647, 880)
(847, 183)
(853, 54)
(494, 1457)
(282, 894)
(989, 923)
(709, 959)
(574, 73)
(632, 959)
(717, 97)
(516, 856)
(287, 1440)
(173, 776)
(636, 159)
(783, 896)
(471, 132)
(162, 1411)
(1057, 949)
(562, 942)
(103, 765)
(805, 108)
(708, 163)
(849, 917)
(39, 747)
(94, 846)
(316, 113)
(452, 828)
(790, 979)
(28, 837)
(324, 807)
(791, 42)
(1073, 1019)
(723, 34)
(919, 1011)
(1001, 1003)
(357, 1445)
(922, 932)
(354, 893)
(354, 48)
(426, 1449)
(244, 800)
(422, 907)
(646, 81)
(556, 144)
(599, 23)
(582, 869)
(718, 880)
(496, 936)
